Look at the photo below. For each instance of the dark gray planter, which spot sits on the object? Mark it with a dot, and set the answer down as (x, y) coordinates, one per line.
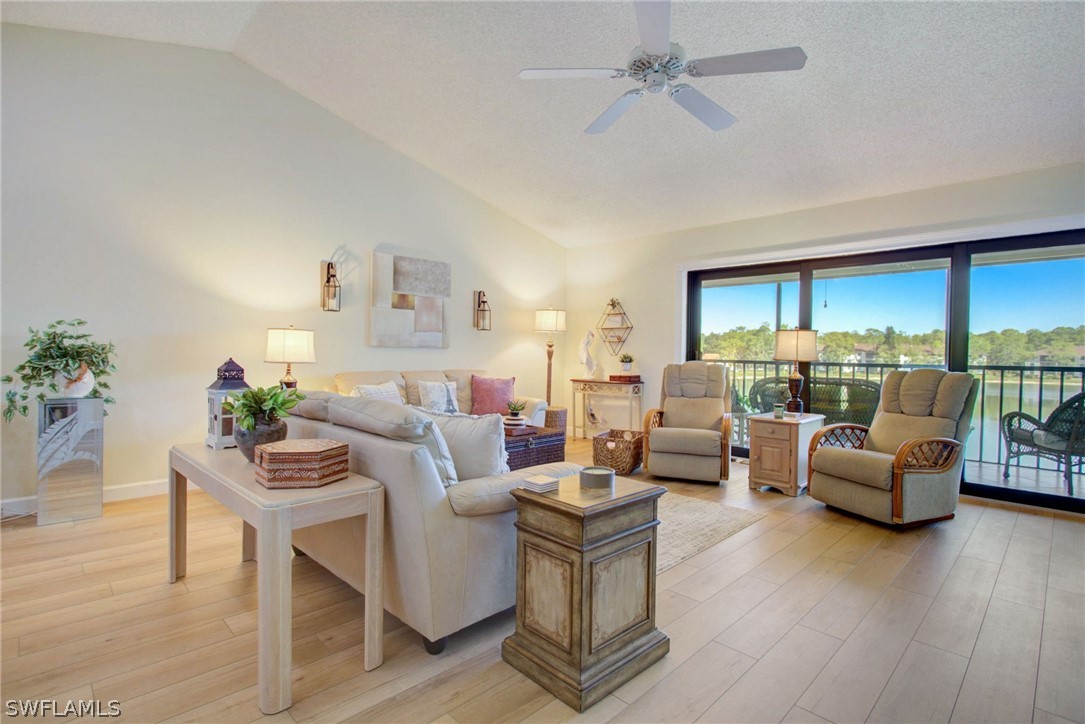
(247, 440)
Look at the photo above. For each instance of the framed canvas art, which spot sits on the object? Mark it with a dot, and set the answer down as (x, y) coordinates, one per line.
(409, 299)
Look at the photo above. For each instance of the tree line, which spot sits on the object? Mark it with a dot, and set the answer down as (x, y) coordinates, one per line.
(1011, 347)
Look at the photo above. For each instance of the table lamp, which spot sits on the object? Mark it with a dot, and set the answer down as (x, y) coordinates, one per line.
(796, 345)
(292, 346)
(549, 320)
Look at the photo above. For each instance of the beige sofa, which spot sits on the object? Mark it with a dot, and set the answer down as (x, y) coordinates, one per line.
(450, 547)
(407, 382)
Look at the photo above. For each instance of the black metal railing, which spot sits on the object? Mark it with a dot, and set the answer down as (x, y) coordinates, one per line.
(1003, 389)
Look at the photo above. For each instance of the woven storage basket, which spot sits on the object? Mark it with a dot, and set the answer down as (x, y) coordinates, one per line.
(618, 449)
(557, 417)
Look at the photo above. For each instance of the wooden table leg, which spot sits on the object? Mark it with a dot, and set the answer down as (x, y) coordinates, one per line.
(248, 543)
(374, 581)
(178, 494)
(273, 610)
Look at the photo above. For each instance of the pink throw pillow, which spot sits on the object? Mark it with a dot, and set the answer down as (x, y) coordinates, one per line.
(491, 394)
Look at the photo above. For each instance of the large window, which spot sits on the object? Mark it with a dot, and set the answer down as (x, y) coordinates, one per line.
(1009, 311)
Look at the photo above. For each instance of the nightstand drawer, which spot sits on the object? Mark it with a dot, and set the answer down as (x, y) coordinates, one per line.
(771, 430)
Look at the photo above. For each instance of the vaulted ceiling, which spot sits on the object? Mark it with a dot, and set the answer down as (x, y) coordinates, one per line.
(895, 96)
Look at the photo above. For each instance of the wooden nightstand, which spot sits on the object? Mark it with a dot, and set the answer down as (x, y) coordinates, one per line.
(778, 450)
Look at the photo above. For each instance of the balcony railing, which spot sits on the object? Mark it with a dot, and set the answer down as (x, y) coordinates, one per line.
(1003, 389)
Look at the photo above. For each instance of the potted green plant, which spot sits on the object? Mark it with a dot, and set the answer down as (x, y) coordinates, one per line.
(62, 361)
(627, 361)
(258, 413)
(516, 407)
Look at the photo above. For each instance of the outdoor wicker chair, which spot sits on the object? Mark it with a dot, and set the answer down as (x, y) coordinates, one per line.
(840, 400)
(1061, 437)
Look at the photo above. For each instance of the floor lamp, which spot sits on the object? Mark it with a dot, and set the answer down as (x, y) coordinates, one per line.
(796, 345)
(549, 321)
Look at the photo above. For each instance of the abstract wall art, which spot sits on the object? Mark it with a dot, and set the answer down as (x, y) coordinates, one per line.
(408, 301)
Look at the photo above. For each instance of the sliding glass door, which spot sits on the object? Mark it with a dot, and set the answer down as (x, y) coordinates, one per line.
(1009, 311)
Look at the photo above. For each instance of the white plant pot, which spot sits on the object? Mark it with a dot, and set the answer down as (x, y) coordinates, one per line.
(627, 366)
(73, 388)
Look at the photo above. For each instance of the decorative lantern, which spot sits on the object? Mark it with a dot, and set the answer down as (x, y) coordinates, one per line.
(331, 290)
(220, 425)
(482, 312)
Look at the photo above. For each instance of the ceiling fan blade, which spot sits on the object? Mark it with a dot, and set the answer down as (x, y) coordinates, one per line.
(654, 24)
(547, 73)
(702, 107)
(759, 61)
(610, 115)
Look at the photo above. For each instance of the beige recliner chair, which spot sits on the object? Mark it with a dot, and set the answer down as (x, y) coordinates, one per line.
(906, 467)
(689, 436)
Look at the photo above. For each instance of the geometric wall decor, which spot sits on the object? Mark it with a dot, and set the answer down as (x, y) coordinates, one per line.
(614, 326)
(408, 304)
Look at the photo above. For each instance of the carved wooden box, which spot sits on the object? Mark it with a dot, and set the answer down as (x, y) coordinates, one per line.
(301, 463)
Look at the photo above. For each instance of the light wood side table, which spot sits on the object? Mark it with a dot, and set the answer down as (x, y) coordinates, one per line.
(584, 388)
(270, 516)
(586, 588)
(779, 450)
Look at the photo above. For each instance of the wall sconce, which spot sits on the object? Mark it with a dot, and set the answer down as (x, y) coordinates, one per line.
(330, 290)
(482, 312)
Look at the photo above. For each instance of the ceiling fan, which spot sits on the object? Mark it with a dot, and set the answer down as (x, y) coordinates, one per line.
(657, 62)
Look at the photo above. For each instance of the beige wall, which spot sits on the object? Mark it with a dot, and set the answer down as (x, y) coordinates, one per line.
(181, 202)
(646, 275)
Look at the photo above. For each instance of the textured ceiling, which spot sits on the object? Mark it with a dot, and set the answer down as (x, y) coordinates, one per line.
(895, 96)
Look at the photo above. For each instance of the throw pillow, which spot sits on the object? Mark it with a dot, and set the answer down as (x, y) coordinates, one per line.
(314, 406)
(476, 442)
(438, 396)
(386, 391)
(491, 395)
(396, 422)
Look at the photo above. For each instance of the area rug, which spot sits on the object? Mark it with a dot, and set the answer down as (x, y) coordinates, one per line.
(688, 525)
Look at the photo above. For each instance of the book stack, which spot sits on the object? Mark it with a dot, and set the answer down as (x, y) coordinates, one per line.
(627, 379)
(540, 484)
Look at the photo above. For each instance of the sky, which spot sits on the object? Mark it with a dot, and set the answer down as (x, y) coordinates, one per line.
(1035, 295)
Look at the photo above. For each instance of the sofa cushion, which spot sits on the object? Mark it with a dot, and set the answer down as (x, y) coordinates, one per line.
(314, 406)
(413, 377)
(386, 391)
(484, 496)
(345, 382)
(462, 378)
(439, 396)
(491, 394)
(398, 423)
(685, 441)
(476, 443)
(860, 466)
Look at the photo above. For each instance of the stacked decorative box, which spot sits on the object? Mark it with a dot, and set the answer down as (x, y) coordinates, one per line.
(301, 463)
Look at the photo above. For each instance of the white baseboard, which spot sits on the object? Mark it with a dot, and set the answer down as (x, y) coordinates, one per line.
(128, 491)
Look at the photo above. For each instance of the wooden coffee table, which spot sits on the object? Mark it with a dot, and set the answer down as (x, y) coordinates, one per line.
(270, 516)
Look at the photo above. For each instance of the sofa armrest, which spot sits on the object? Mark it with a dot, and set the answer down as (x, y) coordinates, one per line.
(535, 412)
(485, 496)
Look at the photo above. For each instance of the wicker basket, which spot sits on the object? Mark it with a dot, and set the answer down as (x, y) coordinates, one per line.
(618, 449)
(557, 417)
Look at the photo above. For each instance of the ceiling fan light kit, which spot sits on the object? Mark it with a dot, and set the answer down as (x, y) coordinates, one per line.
(657, 62)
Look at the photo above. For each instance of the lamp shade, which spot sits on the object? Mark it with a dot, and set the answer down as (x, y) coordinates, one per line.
(549, 320)
(796, 345)
(290, 345)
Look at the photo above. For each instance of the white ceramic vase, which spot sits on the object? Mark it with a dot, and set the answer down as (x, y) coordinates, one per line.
(627, 366)
(74, 388)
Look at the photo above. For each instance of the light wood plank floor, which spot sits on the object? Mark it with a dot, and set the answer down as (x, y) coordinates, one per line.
(806, 616)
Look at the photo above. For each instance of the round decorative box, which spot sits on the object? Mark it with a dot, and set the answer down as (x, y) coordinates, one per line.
(597, 477)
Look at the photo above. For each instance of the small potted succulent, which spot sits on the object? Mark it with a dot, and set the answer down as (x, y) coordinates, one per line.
(258, 414)
(516, 407)
(627, 361)
(62, 362)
